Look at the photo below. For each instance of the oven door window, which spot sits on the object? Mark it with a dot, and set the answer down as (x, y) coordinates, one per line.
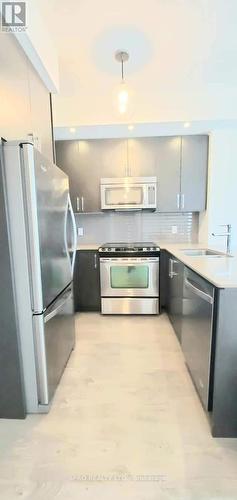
(129, 276)
(129, 195)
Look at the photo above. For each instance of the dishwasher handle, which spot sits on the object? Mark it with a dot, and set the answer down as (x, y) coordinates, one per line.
(200, 293)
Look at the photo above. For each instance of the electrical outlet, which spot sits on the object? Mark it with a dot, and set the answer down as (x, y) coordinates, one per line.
(80, 231)
(174, 229)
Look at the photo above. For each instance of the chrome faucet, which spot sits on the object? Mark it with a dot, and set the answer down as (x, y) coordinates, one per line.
(228, 236)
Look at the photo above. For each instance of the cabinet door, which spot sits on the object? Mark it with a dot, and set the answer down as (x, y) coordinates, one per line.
(194, 173)
(97, 159)
(142, 157)
(159, 157)
(67, 160)
(175, 294)
(87, 281)
(168, 173)
(164, 277)
(86, 161)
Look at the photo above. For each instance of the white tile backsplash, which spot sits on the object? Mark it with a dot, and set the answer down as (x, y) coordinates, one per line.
(139, 226)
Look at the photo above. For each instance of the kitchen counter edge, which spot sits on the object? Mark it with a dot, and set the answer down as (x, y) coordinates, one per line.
(221, 272)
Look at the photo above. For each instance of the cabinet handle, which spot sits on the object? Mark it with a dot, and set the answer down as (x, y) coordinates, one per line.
(95, 261)
(171, 268)
(183, 201)
(78, 204)
(178, 201)
(82, 203)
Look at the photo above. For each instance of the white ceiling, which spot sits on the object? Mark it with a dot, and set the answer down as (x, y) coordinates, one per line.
(183, 59)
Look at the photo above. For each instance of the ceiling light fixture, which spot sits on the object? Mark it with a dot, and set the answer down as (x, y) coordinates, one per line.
(72, 130)
(122, 56)
(130, 127)
(187, 124)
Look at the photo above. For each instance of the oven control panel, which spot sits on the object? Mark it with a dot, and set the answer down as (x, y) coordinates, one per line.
(129, 249)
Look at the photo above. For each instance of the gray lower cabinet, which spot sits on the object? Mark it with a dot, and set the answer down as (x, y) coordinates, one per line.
(224, 408)
(175, 281)
(87, 281)
(205, 319)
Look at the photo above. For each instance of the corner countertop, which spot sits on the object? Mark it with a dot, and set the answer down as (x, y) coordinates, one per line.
(220, 271)
(88, 246)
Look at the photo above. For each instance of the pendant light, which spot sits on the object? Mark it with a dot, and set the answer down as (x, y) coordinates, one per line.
(122, 56)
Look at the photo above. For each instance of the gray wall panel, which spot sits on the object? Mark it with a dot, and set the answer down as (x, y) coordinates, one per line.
(12, 401)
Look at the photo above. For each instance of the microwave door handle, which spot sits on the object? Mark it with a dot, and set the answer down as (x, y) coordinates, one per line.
(144, 200)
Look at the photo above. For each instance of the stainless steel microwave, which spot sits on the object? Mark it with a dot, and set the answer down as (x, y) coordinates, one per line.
(128, 193)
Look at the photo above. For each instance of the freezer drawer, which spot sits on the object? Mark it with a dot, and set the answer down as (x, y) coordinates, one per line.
(54, 340)
(197, 332)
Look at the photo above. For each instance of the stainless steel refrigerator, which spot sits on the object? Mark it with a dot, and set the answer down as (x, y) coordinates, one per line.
(40, 219)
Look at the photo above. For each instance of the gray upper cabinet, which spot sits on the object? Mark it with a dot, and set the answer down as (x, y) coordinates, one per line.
(142, 158)
(179, 163)
(194, 162)
(160, 157)
(85, 162)
(66, 158)
(168, 173)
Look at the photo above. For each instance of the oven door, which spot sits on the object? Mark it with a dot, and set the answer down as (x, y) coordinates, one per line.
(129, 277)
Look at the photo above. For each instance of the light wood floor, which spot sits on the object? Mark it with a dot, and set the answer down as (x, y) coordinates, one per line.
(125, 423)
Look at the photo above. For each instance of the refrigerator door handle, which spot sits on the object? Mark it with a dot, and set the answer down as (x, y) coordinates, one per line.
(33, 242)
(74, 227)
(74, 233)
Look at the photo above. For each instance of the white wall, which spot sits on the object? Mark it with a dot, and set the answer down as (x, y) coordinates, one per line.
(37, 43)
(222, 190)
(181, 67)
(25, 106)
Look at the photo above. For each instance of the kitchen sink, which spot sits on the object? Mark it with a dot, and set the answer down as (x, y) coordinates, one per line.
(203, 252)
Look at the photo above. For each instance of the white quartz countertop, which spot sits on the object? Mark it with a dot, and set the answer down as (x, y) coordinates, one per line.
(88, 246)
(220, 271)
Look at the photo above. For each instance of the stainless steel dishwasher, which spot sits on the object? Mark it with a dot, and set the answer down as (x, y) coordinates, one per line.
(197, 332)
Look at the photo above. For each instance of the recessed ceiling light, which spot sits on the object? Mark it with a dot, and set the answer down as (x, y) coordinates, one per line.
(187, 124)
(130, 127)
(72, 130)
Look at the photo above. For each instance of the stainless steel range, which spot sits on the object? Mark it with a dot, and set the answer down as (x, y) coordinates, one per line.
(129, 278)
